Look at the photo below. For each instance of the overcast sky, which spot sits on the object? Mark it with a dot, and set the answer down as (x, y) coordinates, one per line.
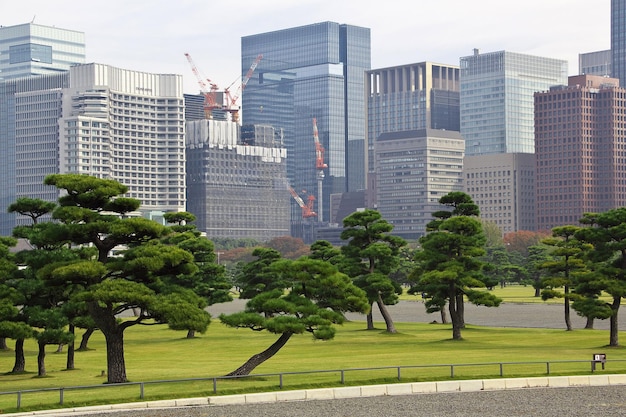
(153, 35)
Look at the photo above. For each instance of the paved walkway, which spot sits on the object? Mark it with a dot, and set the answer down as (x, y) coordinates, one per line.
(540, 315)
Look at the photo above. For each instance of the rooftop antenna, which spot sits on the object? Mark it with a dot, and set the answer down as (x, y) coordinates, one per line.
(33, 21)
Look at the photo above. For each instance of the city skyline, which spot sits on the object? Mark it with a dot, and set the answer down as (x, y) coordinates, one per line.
(153, 36)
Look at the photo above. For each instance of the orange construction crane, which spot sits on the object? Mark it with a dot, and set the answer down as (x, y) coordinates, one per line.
(209, 92)
(231, 100)
(307, 209)
(319, 150)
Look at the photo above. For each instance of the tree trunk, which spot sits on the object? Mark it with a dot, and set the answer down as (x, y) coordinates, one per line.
(614, 338)
(41, 359)
(116, 365)
(370, 318)
(259, 358)
(69, 364)
(460, 310)
(59, 348)
(114, 336)
(85, 339)
(191, 334)
(444, 318)
(568, 321)
(3, 343)
(589, 324)
(20, 361)
(454, 314)
(386, 316)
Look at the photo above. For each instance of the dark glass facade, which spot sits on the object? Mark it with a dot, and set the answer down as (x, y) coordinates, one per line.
(314, 71)
(618, 40)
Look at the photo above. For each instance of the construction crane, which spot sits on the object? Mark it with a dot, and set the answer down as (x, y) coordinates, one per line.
(209, 92)
(231, 101)
(319, 165)
(307, 209)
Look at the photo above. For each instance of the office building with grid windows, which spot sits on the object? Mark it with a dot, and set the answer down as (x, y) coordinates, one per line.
(31, 49)
(314, 71)
(618, 40)
(497, 118)
(97, 120)
(580, 139)
(415, 169)
(237, 181)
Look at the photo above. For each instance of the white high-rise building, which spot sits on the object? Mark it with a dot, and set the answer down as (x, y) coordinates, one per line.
(128, 126)
(97, 120)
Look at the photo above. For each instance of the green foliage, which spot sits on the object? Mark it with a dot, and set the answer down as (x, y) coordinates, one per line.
(449, 263)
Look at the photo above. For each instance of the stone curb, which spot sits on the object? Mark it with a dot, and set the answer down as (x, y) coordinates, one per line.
(349, 392)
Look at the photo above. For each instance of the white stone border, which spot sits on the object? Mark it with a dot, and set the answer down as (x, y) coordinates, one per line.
(410, 388)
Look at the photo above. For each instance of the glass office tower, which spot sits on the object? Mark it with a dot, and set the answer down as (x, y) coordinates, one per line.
(618, 40)
(497, 107)
(31, 49)
(314, 71)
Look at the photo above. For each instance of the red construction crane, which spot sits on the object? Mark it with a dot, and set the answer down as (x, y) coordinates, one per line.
(231, 101)
(209, 92)
(307, 209)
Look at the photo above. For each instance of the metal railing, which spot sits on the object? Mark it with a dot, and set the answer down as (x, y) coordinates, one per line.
(280, 375)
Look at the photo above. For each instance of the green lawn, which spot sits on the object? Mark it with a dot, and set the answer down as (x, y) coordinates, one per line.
(156, 353)
(512, 293)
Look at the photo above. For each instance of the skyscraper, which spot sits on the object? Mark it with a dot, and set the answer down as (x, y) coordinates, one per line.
(497, 118)
(101, 121)
(415, 168)
(618, 40)
(31, 49)
(497, 99)
(408, 97)
(314, 71)
(580, 133)
(237, 188)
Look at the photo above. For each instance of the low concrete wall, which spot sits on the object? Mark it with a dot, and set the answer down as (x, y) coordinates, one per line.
(356, 392)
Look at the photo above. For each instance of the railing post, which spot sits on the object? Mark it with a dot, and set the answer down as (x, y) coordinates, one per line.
(61, 396)
(398, 373)
(214, 385)
(141, 390)
(501, 369)
(548, 367)
(280, 376)
(451, 371)
(342, 378)
(19, 399)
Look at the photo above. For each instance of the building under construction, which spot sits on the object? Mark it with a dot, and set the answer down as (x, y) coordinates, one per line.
(236, 185)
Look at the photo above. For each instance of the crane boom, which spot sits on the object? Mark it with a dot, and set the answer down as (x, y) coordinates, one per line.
(232, 100)
(209, 92)
(319, 149)
(307, 209)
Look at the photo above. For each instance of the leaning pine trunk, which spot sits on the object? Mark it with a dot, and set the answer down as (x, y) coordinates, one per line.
(259, 358)
(85, 339)
(3, 343)
(191, 334)
(589, 324)
(386, 316)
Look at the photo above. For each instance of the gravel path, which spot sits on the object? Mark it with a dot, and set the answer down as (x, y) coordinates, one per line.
(547, 402)
(538, 315)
